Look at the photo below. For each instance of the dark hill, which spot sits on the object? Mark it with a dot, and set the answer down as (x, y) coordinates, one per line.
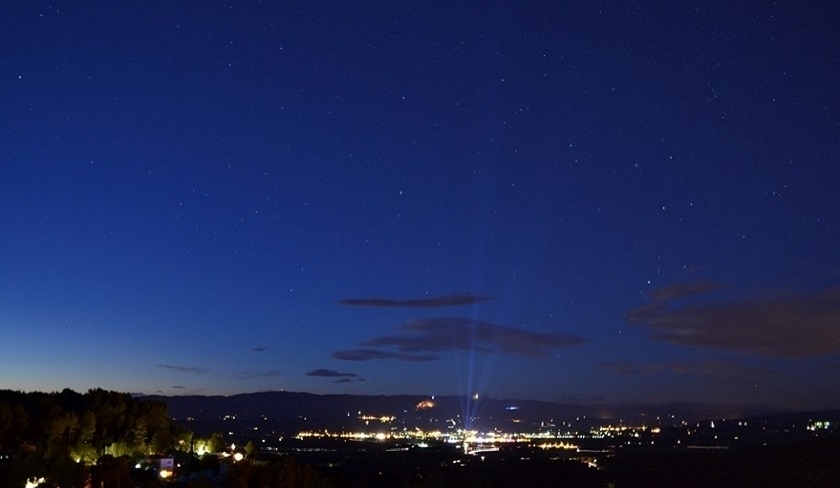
(307, 410)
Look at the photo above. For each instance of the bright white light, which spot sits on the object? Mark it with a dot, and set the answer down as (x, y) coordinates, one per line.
(34, 482)
(238, 456)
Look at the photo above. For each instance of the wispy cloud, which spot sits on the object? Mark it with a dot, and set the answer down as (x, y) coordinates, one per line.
(340, 377)
(186, 369)
(330, 373)
(416, 339)
(792, 325)
(179, 387)
(259, 373)
(348, 380)
(459, 333)
(259, 349)
(662, 297)
(367, 354)
(442, 301)
(718, 369)
(677, 291)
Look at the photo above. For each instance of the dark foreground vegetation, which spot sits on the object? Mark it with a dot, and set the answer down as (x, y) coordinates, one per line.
(106, 439)
(810, 463)
(807, 464)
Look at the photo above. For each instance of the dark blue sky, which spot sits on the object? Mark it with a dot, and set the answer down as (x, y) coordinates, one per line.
(603, 202)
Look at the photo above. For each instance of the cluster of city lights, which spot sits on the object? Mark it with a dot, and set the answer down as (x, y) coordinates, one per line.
(471, 441)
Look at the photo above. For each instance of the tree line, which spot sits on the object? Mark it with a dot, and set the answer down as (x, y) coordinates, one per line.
(86, 426)
(98, 438)
(60, 435)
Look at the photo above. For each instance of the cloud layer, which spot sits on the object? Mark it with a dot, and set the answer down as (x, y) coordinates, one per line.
(443, 301)
(366, 354)
(786, 326)
(331, 373)
(257, 373)
(717, 369)
(419, 339)
(193, 369)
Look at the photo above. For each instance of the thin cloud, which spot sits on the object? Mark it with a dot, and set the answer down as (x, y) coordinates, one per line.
(460, 334)
(443, 301)
(348, 380)
(718, 369)
(420, 339)
(786, 326)
(677, 291)
(368, 354)
(660, 298)
(330, 373)
(179, 387)
(252, 374)
(259, 349)
(186, 369)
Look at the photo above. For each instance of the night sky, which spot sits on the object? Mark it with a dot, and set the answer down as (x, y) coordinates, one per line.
(581, 202)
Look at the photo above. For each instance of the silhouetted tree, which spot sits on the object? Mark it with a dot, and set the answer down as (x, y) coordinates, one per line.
(110, 410)
(61, 430)
(60, 436)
